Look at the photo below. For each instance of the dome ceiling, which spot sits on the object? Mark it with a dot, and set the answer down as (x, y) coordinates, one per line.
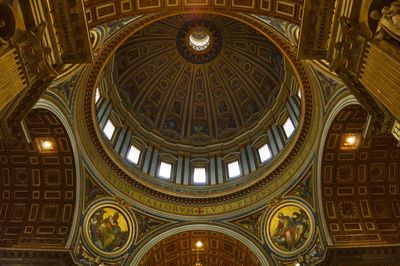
(196, 105)
(198, 95)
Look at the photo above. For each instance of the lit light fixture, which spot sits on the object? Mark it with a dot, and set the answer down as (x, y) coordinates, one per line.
(199, 247)
(350, 141)
(46, 145)
(199, 244)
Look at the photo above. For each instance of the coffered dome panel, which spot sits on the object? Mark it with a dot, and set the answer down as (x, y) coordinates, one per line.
(195, 95)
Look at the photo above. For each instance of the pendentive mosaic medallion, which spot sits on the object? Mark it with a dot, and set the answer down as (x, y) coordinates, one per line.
(289, 228)
(108, 229)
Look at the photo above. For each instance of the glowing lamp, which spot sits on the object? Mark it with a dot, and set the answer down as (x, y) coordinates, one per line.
(199, 244)
(47, 145)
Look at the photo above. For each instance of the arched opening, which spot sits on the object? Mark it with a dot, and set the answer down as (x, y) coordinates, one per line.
(216, 249)
(178, 246)
(38, 184)
(359, 182)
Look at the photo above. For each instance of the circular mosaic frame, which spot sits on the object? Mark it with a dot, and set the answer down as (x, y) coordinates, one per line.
(127, 218)
(272, 216)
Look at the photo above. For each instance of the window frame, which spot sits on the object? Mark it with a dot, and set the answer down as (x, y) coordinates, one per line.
(138, 156)
(205, 175)
(170, 170)
(97, 96)
(109, 120)
(240, 169)
(284, 128)
(269, 151)
(299, 94)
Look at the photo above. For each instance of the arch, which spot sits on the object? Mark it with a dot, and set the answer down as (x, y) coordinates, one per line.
(141, 250)
(358, 182)
(38, 185)
(46, 104)
(346, 101)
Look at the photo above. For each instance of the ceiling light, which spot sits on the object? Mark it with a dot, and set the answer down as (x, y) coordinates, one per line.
(199, 244)
(46, 144)
(199, 247)
(351, 140)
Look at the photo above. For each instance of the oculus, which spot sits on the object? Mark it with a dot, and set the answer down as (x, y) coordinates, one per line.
(199, 41)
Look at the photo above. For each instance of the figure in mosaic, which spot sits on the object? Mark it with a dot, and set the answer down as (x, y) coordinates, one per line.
(106, 231)
(291, 230)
